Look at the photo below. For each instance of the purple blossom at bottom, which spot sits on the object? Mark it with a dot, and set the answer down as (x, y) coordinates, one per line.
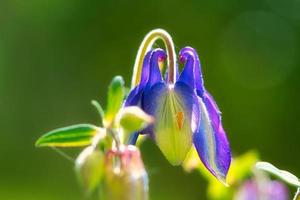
(262, 190)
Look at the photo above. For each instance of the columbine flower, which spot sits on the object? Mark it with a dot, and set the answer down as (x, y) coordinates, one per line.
(186, 115)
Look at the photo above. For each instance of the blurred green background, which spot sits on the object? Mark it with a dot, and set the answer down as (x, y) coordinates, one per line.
(57, 55)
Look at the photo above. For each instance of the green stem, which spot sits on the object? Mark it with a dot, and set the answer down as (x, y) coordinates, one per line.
(115, 137)
(145, 46)
(297, 195)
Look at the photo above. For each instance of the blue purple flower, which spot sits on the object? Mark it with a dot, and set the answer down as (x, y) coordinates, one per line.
(186, 115)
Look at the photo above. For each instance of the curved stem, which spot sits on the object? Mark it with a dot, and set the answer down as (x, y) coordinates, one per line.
(297, 195)
(146, 45)
(116, 138)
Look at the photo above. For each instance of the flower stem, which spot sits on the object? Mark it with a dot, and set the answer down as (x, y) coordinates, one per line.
(146, 45)
(297, 195)
(116, 138)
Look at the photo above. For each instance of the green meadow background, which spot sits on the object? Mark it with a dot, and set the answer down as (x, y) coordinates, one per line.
(57, 55)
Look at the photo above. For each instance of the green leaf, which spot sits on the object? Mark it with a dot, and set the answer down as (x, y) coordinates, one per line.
(282, 174)
(89, 168)
(133, 119)
(116, 93)
(72, 136)
(99, 108)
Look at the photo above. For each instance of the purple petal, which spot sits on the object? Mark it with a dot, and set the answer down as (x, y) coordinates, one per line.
(152, 96)
(155, 73)
(266, 189)
(151, 101)
(211, 143)
(150, 75)
(248, 191)
(190, 99)
(212, 108)
(134, 97)
(187, 74)
(187, 54)
(145, 69)
(277, 191)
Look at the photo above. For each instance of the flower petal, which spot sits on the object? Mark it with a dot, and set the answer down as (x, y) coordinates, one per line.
(212, 109)
(187, 74)
(146, 68)
(186, 55)
(154, 72)
(150, 102)
(135, 95)
(150, 75)
(211, 143)
(210, 139)
(176, 115)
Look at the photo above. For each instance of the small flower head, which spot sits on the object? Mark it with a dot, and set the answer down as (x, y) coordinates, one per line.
(125, 175)
(266, 190)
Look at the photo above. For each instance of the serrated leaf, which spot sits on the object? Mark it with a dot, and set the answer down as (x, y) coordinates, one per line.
(282, 174)
(116, 93)
(72, 136)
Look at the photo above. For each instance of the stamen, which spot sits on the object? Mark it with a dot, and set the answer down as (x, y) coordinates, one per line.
(179, 119)
(145, 46)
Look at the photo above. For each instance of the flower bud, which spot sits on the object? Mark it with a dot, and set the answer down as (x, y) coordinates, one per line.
(133, 119)
(114, 100)
(89, 168)
(125, 175)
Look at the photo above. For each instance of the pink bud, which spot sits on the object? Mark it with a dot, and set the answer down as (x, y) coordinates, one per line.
(125, 175)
